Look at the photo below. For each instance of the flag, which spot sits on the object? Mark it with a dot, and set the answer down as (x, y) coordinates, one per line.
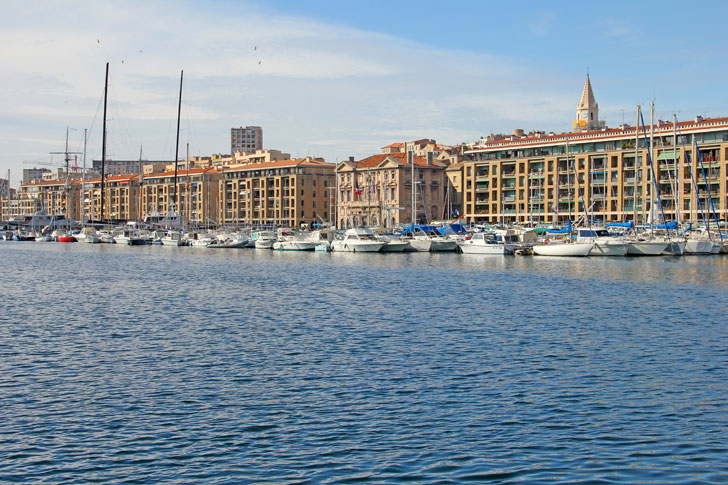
(356, 188)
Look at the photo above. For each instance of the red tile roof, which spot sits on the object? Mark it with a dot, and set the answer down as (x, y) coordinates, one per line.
(298, 162)
(401, 158)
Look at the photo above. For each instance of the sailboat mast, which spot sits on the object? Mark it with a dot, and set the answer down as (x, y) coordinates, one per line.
(83, 180)
(678, 187)
(650, 157)
(103, 142)
(411, 160)
(636, 172)
(176, 145)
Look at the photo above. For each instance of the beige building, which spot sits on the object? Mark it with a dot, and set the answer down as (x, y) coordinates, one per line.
(284, 192)
(17, 208)
(377, 191)
(121, 199)
(535, 178)
(55, 196)
(196, 196)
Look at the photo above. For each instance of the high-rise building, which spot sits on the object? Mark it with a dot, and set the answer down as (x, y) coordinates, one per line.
(248, 139)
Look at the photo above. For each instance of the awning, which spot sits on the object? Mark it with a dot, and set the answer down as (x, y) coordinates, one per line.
(668, 156)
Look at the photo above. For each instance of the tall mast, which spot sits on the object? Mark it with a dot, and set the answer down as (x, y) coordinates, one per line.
(140, 212)
(83, 180)
(103, 142)
(678, 188)
(636, 171)
(176, 145)
(411, 160)
(651, 156)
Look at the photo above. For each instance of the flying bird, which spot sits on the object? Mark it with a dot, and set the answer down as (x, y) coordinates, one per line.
(98, 41)
(255, 48)
(259, 62)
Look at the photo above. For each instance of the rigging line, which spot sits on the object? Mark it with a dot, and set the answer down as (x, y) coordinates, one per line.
(654, 179)
(695, 186)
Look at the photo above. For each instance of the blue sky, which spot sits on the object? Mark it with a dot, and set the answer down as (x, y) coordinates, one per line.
(335, 79)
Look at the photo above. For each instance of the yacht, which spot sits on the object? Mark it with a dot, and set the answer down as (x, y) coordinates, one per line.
(173, 238)
(427, 239)
(264, 239)
(360, 239)
(485, 243)
(288, 240)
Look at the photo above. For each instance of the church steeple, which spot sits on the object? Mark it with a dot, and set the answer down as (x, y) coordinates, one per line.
(587, 111)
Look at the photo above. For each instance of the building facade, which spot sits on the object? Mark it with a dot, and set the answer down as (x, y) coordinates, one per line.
(248, 139)
(195, 198)
(284, 192)
(55, 196)
(121, 199)
(606, 175)
(377, 191)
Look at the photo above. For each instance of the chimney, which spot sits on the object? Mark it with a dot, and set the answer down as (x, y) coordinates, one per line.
(430, 156)
(698, 119)
(351, 159)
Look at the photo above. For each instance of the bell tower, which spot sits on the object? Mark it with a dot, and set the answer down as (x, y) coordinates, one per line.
(587, 111)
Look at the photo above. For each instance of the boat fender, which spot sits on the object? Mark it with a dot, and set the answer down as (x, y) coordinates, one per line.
(546, 241)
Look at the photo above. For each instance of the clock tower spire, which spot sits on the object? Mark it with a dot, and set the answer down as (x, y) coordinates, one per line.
(587, 111)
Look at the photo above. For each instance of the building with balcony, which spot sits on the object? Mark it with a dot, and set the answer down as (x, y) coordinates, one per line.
(282, 193)
(378, 190)
(55, 196)
(195, 197)
(606, 175)
(121, 199)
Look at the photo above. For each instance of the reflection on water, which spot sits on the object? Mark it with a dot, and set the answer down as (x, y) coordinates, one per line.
(188, 365)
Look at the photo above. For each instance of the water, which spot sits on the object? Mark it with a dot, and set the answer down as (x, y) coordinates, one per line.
(146, 364)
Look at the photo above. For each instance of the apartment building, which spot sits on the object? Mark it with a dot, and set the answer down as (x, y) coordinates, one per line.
(195, 198)
(248, 139)
(121, 199)
(283, 192)
(607, 174)
(377, 191)
(56, 196)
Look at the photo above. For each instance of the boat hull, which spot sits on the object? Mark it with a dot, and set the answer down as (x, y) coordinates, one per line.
(468, 247)
(563, 249)
(698, 246)
(609, 249)
(645, 248)
(358, 247)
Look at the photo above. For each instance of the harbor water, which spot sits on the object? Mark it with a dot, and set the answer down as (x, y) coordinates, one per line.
(146, 364)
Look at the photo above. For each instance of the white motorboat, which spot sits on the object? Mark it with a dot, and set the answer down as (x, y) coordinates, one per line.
(563, 248)
(484, 243)
(88, 235)
(173, 238)
(264, 239)
(360, 239)
(427, 239)
(604, 243)
(288, 240)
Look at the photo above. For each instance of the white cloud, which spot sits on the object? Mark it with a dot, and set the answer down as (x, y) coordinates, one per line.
(315, 88)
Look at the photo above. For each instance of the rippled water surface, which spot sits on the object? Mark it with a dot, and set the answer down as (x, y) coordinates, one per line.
(153, 363)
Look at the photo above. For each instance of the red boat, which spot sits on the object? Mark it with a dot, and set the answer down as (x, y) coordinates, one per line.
(66, 239)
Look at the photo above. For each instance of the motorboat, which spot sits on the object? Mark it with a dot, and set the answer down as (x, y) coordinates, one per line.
(288, 240)
(229, 241)
(358, 240)
(485, 243)
(264, 239)
(174, 238)
(426, 239)
(88, 235)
